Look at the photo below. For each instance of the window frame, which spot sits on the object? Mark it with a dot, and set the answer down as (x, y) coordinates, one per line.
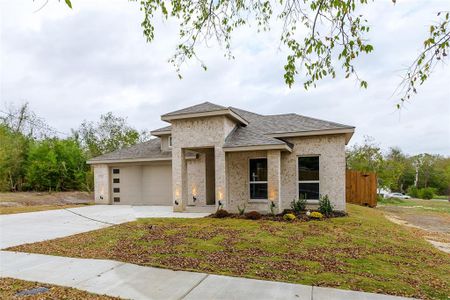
(169, 141)
(114, 171)
(260, 182)
(307, 181)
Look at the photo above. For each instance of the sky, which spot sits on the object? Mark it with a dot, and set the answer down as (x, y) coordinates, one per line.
(74, 65)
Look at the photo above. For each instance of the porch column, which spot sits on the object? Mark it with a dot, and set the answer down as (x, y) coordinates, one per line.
(274, 177)
(179, 179)
(221, 177)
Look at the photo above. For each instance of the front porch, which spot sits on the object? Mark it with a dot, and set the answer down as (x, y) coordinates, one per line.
(207, 178)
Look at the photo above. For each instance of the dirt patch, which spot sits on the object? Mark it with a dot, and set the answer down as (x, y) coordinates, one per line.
(37, 198)
(433, 227)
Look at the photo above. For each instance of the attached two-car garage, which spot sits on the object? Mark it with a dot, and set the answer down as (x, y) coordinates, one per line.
(146, 184)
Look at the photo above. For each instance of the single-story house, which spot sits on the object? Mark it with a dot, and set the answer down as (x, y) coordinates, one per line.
(213, 156)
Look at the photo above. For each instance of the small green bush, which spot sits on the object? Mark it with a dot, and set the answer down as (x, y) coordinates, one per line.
(427, 193)
(316, 215)
(241, 210)
(299, 205)
(289, 217)
(221, 213)
(253, 215)
(325, 206)
(413, 192)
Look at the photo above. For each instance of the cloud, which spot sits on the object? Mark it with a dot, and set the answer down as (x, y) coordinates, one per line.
(72, 65)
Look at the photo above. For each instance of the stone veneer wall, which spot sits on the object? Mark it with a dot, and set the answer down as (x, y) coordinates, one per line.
(101, 184)
(331, 149)
(238, 181)
(165, 142)
(199, 132)
(196, 180)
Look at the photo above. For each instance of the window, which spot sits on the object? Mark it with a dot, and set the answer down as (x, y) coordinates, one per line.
(116, 180)
(116, 199)
(116, 171)
(258, 178)
(308, 177)
(170, 141)
(116, 190)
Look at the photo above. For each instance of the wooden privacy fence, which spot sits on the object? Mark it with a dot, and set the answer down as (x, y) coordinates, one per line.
(361, 188)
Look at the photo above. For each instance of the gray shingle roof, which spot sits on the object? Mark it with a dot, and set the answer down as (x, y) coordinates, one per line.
(244, 137)
(199, 108)
(259, 131)
(162, 129)
(147, 150)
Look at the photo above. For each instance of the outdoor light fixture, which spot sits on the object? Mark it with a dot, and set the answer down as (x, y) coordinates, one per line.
(194, 198)
(101, 197)
(176, 202)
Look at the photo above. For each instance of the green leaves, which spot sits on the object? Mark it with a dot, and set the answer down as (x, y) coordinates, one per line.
(69, 4)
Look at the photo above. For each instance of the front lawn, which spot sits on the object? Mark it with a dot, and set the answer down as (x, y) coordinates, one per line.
(363, 251)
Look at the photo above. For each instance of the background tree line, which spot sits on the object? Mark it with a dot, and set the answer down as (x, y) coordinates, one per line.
(422, 175)
(33, 157)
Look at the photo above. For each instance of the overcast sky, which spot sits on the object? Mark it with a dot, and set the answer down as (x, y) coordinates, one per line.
(74, 65)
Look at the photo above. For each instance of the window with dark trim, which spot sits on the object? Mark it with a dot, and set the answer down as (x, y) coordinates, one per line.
(170, 141)
(258, 178)
(116, 190)
(116, 180)
(116, 171)
(308, 177)
(116, 199)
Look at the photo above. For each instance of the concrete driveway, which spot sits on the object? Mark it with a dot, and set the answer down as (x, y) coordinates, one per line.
(17, 229)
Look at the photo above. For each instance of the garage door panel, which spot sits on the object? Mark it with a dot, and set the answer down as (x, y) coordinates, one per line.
(157, 184)
(143, 185)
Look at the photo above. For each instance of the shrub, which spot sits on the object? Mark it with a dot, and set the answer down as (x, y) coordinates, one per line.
(299, 205)
(253, 215)
(316, 215)
(272, 208)
(325, 206)
(221, 213)
(413, 191)
(427, 193)
(241, 210)
(289, 217)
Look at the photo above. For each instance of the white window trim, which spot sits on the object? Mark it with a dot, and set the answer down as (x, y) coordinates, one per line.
(169, 141)
(251, 200)
(312, 201)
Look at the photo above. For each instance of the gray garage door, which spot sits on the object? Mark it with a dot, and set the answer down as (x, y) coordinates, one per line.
(142, 185)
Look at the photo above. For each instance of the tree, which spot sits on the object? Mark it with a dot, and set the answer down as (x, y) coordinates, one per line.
(56, 164)
(394, 166)
(321, 36)
(366, 157)
(13, 157)
(109, 134)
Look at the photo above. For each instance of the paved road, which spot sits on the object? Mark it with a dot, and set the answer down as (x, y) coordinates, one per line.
(136, 282)
(17, 229)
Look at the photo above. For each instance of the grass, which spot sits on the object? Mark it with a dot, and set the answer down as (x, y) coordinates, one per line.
(418, 204)
(361, 252)
(10, 287)
(6, 210)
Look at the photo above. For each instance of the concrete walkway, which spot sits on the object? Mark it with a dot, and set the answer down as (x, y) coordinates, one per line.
(17, 229)
(136, 282)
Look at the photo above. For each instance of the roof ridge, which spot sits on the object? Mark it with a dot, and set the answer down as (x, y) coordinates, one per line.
(321, 120)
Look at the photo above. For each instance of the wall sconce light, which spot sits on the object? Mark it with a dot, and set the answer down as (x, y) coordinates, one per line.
(194, 193)
(176, 202)
(101, 197)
